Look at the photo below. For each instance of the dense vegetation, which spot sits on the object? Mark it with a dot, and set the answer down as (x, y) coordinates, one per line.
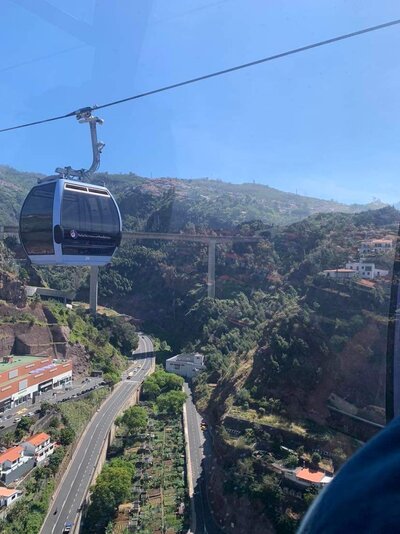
(112, 487)
(147, 456)
(165, 391)
(107, 339)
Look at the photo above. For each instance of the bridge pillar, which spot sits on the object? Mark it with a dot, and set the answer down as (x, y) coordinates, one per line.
(94, 288)
(211, 269)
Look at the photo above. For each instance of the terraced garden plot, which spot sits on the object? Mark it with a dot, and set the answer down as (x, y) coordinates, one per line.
(162, 479)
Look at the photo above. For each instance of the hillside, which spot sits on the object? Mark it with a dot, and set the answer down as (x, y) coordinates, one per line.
(48, 328)
(298, 349)
(173, 203)
(14, 186)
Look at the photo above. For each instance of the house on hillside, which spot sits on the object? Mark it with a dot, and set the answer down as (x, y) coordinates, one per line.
(367, 270)
(376, 246)
(304, 477)
(187, 365)
(339, 274)
(8, 496)
(17, 461)
(14, 464)
(38, 446)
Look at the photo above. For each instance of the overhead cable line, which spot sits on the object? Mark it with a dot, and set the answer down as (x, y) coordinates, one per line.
(213, 74)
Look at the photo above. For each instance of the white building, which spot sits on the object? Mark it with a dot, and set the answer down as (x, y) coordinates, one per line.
(367, 270)
(8, 496)
(39, 446)
(187, 365)
(305, 477)
(14, 464)
(376, 246)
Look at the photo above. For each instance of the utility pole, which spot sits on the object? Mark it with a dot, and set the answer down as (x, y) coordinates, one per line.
(94, 288)
(211, 269)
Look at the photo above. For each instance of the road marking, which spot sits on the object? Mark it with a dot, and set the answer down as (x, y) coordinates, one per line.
(112, 403)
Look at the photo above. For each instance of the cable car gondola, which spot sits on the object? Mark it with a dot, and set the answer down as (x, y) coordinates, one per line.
(66, 221)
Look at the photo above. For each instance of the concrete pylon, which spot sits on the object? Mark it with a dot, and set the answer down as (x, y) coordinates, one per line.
(94, 288)
(211, 269)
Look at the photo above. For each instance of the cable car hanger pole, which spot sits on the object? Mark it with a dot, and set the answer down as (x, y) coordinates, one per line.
(84, 115)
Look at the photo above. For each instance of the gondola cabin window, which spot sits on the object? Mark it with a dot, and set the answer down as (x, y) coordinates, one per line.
(37, 220)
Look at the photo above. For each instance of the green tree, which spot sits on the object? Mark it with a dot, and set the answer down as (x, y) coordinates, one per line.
(173, 382)
(309, 495)
(54, 422)
(18, 434)
(292, 461)
(315, 459)
(46, 407)
(111, 378)
(151, 389)
(113, 487)
(67, 435)
(25, 423)
(55, 459)
(134, 419)
(171, 402)
(249, 436)
(7, 439)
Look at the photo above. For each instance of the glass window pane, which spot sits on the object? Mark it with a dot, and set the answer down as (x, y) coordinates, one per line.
(91, 224)
(37, 220)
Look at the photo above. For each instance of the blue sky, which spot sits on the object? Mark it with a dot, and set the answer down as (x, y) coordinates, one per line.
(324, 123)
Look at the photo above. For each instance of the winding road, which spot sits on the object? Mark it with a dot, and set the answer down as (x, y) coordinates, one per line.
(75, 483)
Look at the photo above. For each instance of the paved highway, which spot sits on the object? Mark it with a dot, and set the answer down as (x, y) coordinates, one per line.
(76, 480)
(200, 452)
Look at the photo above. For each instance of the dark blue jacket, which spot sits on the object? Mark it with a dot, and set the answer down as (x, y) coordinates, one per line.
(364, 497)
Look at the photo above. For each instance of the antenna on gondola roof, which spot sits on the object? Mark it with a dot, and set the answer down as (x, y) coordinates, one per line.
(84, 115)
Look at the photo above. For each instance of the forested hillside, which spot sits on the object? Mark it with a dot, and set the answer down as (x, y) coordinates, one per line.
(286, 346)
(171, 204)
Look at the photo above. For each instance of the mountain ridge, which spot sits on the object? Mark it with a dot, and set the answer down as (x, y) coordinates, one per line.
(203, 202)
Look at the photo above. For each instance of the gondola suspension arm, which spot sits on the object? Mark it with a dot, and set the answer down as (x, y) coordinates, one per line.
(84, 115)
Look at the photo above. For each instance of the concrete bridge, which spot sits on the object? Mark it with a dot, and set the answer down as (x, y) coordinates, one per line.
(210, 240)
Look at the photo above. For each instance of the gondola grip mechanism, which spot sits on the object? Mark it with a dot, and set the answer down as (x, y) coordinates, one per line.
(85, 115)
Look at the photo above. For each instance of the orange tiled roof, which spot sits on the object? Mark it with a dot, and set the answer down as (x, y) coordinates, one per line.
(310, 476)
(11, 454)
(38, 439)
(366, 283)
(339, 270)
(5, 492)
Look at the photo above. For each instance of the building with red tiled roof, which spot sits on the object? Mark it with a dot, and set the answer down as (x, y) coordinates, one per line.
(8, 496)
(38, 439)
(14, 464)
(309, 475)
(367, 283)
(39, 446)
(10, 456)
(17, 461)
(305, 477)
